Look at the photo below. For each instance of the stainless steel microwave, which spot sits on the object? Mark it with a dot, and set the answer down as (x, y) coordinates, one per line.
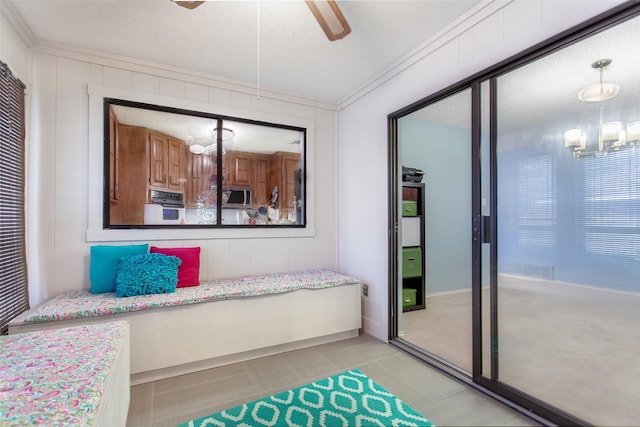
(237, 197)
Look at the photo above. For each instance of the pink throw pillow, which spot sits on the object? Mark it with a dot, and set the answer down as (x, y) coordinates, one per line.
(189, 269)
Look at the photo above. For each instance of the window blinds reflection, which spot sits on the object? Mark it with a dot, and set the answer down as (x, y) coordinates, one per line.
(611, 220)
(537, 201)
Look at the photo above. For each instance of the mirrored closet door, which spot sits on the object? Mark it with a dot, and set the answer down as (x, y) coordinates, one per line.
(515, 224)
(435, 297)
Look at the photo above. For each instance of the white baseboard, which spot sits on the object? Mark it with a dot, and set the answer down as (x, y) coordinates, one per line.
(187, 368)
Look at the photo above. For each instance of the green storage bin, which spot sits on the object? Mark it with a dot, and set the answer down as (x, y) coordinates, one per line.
(408, 297)
(411, 262)
(409, 208)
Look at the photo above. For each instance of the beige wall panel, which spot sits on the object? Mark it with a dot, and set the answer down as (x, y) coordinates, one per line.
(219, 96)
(146, 82)
(71, 186)
(41, 187)
(196, 92)
(278, 255)
(115, 77)
(218, 258)
(14, 51)
(172, 87)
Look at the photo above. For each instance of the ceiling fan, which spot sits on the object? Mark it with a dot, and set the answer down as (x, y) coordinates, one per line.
(326, 12)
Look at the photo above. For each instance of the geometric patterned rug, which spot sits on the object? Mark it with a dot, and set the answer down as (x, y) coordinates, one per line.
(347, 399)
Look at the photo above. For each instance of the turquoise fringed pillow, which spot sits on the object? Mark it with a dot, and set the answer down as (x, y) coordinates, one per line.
(147, 274)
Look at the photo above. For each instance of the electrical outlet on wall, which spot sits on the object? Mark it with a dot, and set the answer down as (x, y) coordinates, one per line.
(365, 289)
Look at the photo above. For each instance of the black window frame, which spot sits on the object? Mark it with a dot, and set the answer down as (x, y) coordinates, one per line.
(220, 118)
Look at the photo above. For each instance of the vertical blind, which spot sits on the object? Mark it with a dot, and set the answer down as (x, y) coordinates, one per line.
(13, 266)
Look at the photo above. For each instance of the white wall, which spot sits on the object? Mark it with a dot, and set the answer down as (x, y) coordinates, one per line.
(60, 139)
(14, 51)
(444, 153)
(490, 33)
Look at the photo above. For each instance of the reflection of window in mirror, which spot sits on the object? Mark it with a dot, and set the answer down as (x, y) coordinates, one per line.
(169, 167)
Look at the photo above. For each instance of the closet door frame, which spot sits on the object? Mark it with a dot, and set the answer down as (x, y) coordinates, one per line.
(484, 229)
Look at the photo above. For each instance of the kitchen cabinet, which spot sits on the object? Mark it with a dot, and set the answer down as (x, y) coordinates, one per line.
(145, 160)
(113, 157)
(201, 173)
(413, 246)
(261, 191)
(283, 173)
(199, 169)
(166, 163)
(133, 164)
(243, 169)
(240, 168)
(175, 157)
(225, 169)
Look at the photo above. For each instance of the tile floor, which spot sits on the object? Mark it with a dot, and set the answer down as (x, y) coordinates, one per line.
(443, 400)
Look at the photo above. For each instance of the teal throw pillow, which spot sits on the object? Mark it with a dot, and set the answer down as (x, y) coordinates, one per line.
(104, 265)
(147, 274)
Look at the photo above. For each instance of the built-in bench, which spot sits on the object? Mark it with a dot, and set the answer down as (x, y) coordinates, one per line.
(218, 322)
(75, 376)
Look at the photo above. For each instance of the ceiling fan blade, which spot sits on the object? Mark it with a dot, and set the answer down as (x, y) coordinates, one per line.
(188, 4)
(330, 18)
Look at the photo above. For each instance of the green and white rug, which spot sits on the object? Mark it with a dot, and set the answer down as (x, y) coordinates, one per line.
(347, 399)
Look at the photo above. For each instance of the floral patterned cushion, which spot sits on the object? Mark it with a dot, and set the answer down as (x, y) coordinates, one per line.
(78, 304)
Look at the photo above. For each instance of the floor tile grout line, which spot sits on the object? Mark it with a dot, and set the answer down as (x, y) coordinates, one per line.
(172, 390)
(208, 406)
(153, 397)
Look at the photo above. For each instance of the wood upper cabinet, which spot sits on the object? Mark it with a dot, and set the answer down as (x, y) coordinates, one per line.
(133, 176)
(291, 164)
(225, 169)
(158, 164)
(176, 165)
(283, 174)
(200, 167)
(260, 172)
(201, 174)
(261, 190)
(240, 168)
(144, 160)
(166, 162)
(113, 157)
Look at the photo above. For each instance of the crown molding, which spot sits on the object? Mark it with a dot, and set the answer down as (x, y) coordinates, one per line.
(8, 9)
(177, 73)
(471, 18)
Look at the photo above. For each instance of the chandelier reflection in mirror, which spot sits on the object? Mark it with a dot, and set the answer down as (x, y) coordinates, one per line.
(206, 205)
(612, 136)
(200, 146)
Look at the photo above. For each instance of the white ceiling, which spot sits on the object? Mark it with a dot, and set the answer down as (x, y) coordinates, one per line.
(544, 93)
(221, 37)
